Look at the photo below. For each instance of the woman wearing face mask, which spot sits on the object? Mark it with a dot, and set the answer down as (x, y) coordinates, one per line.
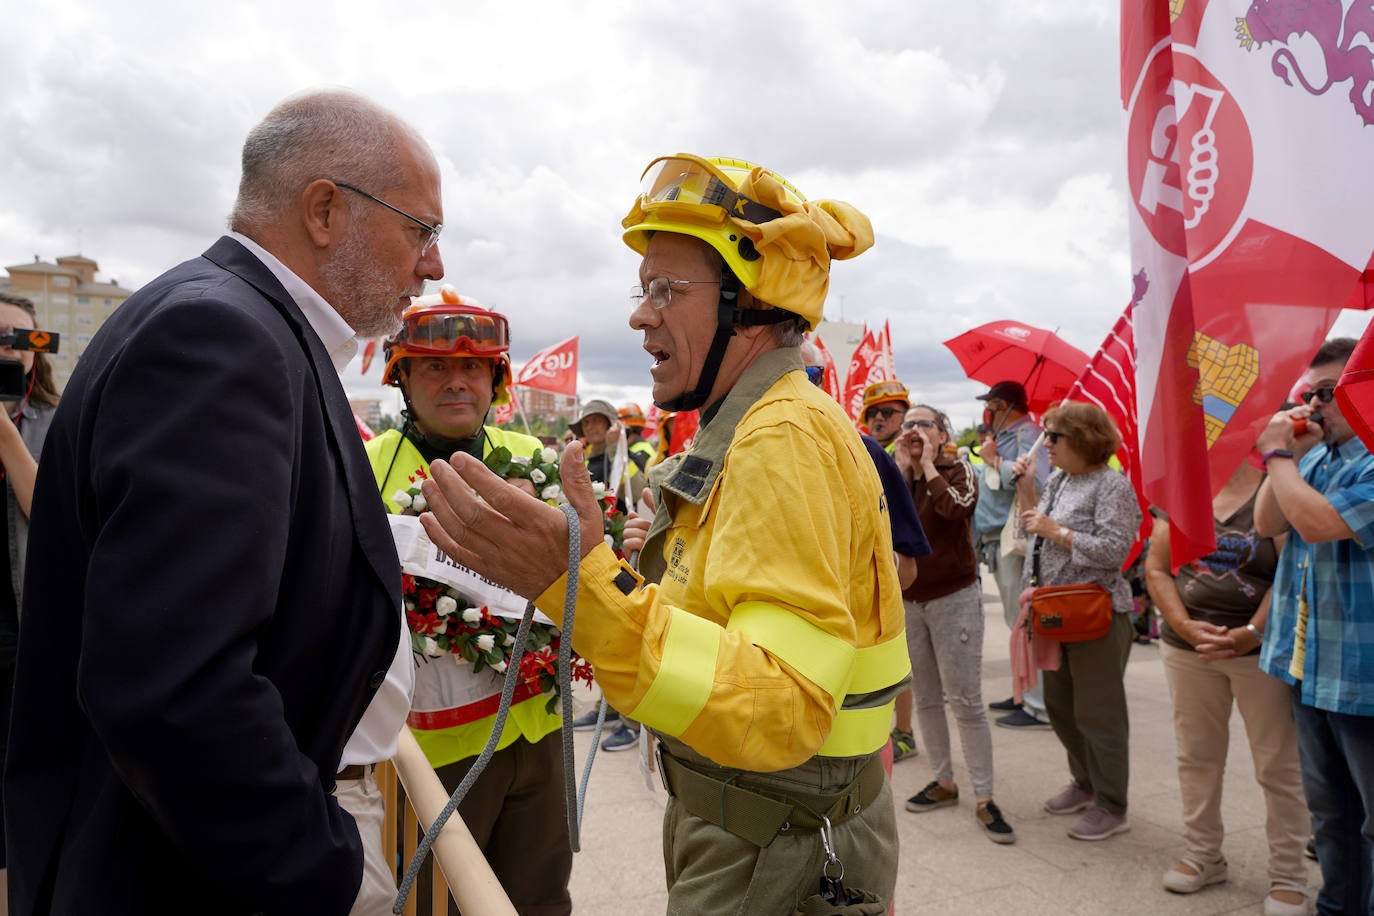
(23, 426)
(944, 621)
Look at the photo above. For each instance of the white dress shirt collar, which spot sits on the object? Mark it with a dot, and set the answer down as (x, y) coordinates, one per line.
(338, 338)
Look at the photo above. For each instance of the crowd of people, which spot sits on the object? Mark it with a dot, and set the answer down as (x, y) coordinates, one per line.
(212, 652)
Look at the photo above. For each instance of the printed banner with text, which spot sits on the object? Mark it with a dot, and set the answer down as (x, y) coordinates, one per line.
(551, 369)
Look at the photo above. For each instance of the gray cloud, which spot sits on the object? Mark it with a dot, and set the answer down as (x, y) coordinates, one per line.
(984, 140)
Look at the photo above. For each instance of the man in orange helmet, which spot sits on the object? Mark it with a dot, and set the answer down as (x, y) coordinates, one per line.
(641, 450)
(450, 361)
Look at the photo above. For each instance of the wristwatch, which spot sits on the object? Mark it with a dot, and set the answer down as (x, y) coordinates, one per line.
(1275, 453)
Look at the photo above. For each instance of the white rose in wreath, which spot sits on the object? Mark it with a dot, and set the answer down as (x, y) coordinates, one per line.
(401, 498)
(486, 642)
(472, 615)
(537, 476)
(445, 605)
(431, 647)
(552, 491)
(501, 666)
(548, 456)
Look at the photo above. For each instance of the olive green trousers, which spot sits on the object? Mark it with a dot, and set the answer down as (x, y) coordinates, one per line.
(712, 872)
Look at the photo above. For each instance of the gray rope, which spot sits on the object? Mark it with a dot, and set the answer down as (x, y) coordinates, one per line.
(601, 709)
(570, 801)
(503, 708)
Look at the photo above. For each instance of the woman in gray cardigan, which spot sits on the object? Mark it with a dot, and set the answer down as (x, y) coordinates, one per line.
(1083, 528)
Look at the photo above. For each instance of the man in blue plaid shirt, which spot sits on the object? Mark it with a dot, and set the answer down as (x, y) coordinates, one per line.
(1320, 633)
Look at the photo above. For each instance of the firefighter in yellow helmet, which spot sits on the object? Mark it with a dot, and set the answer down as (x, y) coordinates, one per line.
(450, 362)
(761, 637)
(885, 405)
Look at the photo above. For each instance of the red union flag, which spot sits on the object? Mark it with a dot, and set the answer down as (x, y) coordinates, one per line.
(830, 379)
(505, 413)
(1355, 393)
(552, 369)
(1109, 382)
(885, 352)
(1250, 223)
(865, 368)
(369, 352)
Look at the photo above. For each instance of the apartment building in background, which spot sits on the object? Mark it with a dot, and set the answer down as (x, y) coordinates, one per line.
(69, 300)
(548, 405)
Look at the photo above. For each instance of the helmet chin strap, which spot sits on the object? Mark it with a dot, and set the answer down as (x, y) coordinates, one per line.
(409, 427)
(729, 316)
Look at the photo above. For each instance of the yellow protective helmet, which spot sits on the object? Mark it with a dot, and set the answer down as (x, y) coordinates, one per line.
(888, 390)
(777, 243)
(450, 324)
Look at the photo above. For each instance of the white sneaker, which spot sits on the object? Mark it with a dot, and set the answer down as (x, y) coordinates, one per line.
(1203, 874)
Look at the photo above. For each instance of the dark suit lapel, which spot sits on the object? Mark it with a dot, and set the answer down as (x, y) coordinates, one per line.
(369, 515)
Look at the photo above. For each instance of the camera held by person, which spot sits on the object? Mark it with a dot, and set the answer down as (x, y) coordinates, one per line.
(13, 385)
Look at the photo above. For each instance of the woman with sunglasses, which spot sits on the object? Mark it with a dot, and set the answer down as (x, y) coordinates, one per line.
(944, 621)
(1082, 529)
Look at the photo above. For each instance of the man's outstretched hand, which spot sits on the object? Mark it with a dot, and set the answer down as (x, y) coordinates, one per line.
(502, 533)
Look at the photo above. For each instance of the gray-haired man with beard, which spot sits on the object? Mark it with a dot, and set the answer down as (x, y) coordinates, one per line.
(213, 595)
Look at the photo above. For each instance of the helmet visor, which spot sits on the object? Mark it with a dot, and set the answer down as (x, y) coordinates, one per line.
(451, 334)
(691, 187)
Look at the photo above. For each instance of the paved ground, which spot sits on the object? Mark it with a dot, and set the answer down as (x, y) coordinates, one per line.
(947, 865)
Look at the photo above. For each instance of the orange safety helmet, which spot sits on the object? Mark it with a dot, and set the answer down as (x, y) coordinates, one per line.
(449, 324)
(632, 416)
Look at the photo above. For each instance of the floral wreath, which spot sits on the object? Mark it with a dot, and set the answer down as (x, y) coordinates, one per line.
(444, 622)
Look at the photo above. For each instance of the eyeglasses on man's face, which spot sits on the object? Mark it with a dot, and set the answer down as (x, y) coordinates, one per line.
(885, 412)
(924, 424)
(659, 291)
(1325, 394)
(432, 232)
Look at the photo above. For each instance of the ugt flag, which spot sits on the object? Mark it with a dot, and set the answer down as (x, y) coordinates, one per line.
(553, 369)
(865, 368)
(1109, 382)
(830, 379)
(1355, 393)
(1248, 148)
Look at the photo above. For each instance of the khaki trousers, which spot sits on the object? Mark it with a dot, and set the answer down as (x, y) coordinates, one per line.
(1203, 693)
(362, 798)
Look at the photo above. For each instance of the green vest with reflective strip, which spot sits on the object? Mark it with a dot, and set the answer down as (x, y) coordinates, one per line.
(394, 459)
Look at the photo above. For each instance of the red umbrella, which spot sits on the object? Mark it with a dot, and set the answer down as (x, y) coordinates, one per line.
(1011, 351)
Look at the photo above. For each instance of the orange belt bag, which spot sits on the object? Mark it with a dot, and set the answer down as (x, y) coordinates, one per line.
(1071, 613)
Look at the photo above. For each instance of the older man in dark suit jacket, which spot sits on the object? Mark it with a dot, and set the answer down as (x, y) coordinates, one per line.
(213, 595)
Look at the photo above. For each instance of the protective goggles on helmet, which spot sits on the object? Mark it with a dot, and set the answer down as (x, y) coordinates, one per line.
(691, 188)
(450, 333)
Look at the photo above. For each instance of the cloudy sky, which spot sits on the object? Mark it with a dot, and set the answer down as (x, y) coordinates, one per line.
(982, 138)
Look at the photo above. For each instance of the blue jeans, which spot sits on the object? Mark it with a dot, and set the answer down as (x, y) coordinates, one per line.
(1337, 752)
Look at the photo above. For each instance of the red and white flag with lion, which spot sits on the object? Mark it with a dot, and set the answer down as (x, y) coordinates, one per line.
(1250, 139)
